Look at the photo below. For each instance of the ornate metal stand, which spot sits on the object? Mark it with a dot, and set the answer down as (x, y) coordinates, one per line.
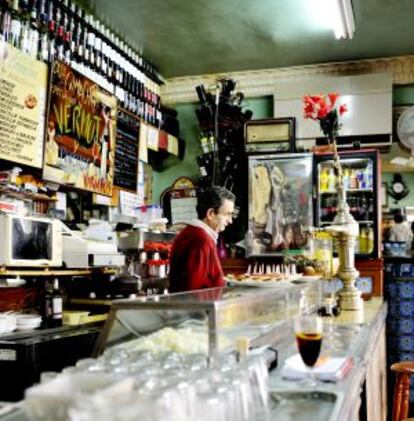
(345, 231)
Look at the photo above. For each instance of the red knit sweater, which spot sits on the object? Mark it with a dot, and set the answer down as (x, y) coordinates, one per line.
(194, 262)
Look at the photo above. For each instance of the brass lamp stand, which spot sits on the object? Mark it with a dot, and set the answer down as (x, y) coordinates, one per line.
(345, 231)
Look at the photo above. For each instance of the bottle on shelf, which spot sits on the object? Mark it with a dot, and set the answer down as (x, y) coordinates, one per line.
(346, 178)
(15, 25)
(57, 304)
(324, 180)
(47, 306)
(370, 240)
(34, 34)
(331, 179)
(363, 238)
(353, 182)
(368, 175)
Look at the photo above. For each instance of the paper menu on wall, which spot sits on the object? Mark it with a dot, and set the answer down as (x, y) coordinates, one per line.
(128, 203)
(152, 138)
(23, 86)
(183, 209)
(173, 145)
(143, 149)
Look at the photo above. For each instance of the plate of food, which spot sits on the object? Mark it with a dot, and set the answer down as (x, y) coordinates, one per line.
(270, 280)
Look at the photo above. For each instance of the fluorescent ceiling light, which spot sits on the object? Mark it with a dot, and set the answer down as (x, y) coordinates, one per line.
(344, 24)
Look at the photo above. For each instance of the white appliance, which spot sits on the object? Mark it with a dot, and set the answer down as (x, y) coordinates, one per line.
(30, 241)
(81, 252)
(368, 98)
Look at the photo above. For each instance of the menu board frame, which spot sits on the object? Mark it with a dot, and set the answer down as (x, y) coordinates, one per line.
(81, 132)
(126, 151)
(23, 98)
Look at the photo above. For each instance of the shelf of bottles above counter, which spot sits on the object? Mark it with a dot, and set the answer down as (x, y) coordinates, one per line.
(63, 30)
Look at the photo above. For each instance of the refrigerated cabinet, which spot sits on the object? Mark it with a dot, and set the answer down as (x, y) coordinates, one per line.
(361, 179)
(288, 193)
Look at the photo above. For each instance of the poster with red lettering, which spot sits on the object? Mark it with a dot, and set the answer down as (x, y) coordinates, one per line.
(80, 134)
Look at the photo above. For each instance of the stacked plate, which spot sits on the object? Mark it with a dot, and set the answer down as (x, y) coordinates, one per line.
(28, 321)
(8, 322)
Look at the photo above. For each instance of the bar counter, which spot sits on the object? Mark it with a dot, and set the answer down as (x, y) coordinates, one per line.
(363, 337)
(361, 393)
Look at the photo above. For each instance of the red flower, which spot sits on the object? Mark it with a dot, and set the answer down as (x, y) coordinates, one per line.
(333, 96)
(324, 109)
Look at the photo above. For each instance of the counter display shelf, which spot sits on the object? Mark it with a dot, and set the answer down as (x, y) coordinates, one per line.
(218, 316)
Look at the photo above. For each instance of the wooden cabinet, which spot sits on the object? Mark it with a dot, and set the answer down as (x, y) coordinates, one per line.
(374, 269)
(376, 382)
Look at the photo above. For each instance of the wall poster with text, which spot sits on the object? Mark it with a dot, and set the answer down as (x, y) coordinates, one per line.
(23, 88)
(81, 132)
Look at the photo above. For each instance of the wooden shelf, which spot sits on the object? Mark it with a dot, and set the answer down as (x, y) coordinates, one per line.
(27, 196)
(347, 190)
(5, 271)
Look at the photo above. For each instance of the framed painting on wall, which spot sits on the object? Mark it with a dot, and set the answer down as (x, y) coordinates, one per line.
(80, 138)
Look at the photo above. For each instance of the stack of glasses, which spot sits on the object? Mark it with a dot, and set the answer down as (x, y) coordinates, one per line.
(128, 385)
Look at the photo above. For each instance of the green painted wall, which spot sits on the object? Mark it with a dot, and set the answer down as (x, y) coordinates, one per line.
(189, 130)
(403, 95)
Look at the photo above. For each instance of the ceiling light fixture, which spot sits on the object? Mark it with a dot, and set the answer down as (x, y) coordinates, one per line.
(344, 24)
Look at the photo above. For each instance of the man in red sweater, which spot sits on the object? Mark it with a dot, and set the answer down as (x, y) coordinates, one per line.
(194, 261)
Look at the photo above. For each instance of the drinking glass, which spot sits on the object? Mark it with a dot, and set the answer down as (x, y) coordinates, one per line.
(308, 332)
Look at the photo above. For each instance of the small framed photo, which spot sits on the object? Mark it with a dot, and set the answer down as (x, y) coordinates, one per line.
(384, 195)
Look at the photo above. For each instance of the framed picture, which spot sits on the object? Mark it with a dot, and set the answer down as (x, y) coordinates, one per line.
(384, 195)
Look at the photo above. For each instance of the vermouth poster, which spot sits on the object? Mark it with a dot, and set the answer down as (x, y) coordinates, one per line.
(81, 132)
(23, 88)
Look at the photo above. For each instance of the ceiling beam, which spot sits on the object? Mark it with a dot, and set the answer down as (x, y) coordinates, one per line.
(257, 83)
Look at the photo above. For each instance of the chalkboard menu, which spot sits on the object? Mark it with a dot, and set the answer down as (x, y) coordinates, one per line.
(80, 141)
(126, 151)
(23, 87)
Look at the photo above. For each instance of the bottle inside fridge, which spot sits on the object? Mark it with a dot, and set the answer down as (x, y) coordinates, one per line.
(358, 180)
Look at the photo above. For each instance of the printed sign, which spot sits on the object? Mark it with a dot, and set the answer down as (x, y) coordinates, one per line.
(80, 141)
(23, 87)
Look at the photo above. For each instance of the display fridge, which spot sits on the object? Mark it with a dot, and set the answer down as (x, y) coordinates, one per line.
(361, 180)
(288, 193)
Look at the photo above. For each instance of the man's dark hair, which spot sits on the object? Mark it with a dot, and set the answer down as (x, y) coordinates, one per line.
(398, 218)
(212, 198)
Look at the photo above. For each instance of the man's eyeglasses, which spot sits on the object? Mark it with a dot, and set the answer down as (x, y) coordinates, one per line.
(227, 214)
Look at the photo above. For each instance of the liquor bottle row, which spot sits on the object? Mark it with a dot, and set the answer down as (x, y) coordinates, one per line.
(227, 168)
(353, 178)
(361, 207)
(52, 29)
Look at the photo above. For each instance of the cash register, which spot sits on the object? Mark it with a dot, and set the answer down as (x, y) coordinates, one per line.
(96, 246)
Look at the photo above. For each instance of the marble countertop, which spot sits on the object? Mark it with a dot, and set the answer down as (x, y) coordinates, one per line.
(359, 333)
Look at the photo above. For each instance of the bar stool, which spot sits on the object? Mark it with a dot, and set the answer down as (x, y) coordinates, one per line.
(404, 370)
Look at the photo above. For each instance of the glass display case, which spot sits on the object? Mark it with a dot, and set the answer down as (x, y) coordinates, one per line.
(206, 321)
(361, 181)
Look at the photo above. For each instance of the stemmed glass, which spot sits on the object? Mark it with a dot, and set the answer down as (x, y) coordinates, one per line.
(309, 332)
